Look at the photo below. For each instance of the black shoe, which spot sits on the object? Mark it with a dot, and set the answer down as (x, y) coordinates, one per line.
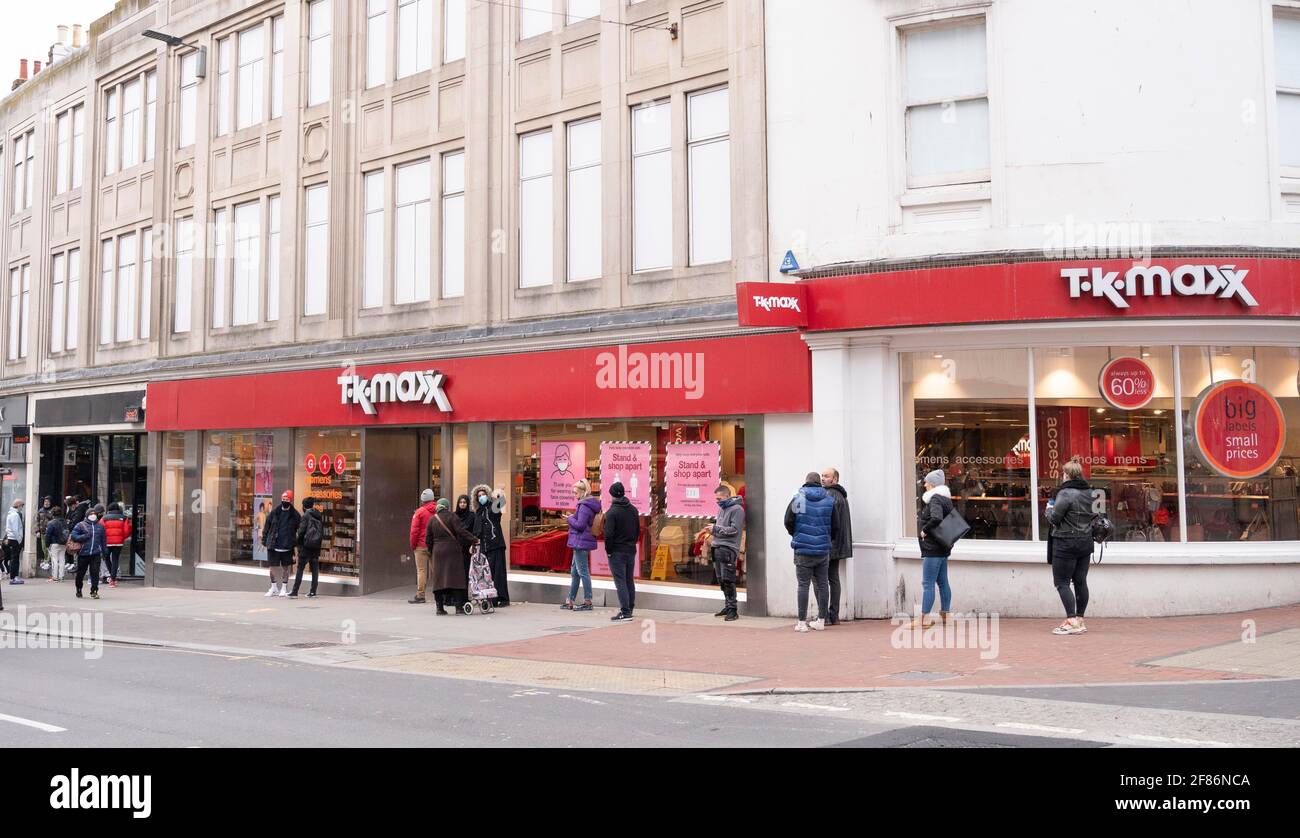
(724, 612)
(419, 600)
(311, 595)
(293, 595)
(441, 612)
(731, 617)
(832, 621)
(621, 617)
(502, 605)
(78, 593)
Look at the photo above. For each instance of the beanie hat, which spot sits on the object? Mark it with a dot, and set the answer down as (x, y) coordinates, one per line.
(936, 478)
(443, 504)
(616, 490)
(426, 496)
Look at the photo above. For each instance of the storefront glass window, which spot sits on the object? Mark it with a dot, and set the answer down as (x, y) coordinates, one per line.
(1262, 508)
(669, 470)
(173, 495)
(237, 483)
(1129, 452)
(327, 467)
(967, 414)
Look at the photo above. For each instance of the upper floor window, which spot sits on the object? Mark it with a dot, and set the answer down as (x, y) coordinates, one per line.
(243, 82)
(414, 47)
(579, 10)
(249, 102)
(453, 224)
(316, 235)
(20, 295)
(245, 263)
(125, 292)
(65, 300)
(453, 30)
(708, 121)
(535, 18)
(584, 201)
(536, 210)
(1286, 51)
(70, 128)
(24, 146)
(652, 186)
(130, 119)
(319, 57)
(376, 42)
(188, 100)
(184, 266)
(946, 103)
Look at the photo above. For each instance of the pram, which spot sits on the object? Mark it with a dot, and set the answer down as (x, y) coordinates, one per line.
(481, 588)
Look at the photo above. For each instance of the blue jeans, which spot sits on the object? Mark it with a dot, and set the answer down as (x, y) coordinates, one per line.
(935, 569)
(580, 569)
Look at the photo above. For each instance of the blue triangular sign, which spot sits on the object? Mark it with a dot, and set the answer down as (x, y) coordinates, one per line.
(789, 263)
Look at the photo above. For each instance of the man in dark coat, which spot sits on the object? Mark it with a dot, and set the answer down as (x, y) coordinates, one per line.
(810, 521)
(445, 538)
(311, 534)
(487, 529)
(843, 547)
(622, 533)
(279, 537)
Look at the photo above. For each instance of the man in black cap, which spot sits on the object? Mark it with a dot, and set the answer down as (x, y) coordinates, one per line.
(622, 532)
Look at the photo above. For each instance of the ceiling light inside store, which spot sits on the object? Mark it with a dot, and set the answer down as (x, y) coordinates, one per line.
(1066, 352)
(1101, 410)
(938, 356)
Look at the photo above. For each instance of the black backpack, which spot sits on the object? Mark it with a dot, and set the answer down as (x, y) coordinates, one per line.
(313, 533)
(1102, 530)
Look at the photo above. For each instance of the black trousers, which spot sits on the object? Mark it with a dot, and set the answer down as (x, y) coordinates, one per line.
(307, 557)
(833, 578)
(724, 564)
(620, 567)
(13, 551)
(1070, 567)
(497, 564)
(90, 563)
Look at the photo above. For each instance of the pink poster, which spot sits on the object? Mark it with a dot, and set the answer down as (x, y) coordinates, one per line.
(600, 561)
(627, 463)
(692, 470)
(562, 465)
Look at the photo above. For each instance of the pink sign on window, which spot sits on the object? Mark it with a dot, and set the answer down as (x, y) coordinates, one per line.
(627, 463)
(600, 560)
(692, 470)
(562, 465)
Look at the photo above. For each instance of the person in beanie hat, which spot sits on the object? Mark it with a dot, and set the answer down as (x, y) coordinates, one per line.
(622, 533)
(936, 503)
(311, 534)
(420, 526)
(727, 530)
(279, 537)
(810, 520)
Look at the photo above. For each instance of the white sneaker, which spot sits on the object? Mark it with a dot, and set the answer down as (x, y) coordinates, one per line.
(284, 591)
(271, 590)
(817, 625)
(801, 626)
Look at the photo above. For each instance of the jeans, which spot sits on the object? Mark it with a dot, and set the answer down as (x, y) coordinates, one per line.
(833, 577)
(1070, 566)
(935, 569)
(580, 570)
(307, 556)
(620, 567)
(13, 552)
(57, 554)
(812, 569)
(90, 563)
(113, 557)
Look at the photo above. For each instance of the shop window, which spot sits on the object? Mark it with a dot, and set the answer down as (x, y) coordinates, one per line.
(238, 491)
(547, 459)
(1127, 442)
(1244, 508)
(327, 468)
(170, 539)
(967, 414)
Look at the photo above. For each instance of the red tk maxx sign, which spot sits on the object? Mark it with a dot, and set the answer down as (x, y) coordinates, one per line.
(772, 304)
(1127, 383)
(1239, 429)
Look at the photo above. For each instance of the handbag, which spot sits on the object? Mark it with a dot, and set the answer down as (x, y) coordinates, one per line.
(950, 530)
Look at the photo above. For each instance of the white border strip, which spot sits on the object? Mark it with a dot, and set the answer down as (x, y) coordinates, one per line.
(168, 562)
(608, 585)
(262, 571)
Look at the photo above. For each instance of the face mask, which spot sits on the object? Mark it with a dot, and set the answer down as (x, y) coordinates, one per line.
(285, 504)
(482, 498)
(562, 465)
(92, 517)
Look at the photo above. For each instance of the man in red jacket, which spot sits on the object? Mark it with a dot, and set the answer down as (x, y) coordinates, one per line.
(419, 524)
(117, 531)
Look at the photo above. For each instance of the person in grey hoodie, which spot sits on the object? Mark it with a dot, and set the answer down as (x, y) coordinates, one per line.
(15, 529)
(727, 530)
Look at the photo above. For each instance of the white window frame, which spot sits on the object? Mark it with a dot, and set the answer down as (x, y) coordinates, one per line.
(319, 57)
(187, 101)
(455, 30)
(534, 20)
(78, 144)
(1289, 171)
(577, 236)
(273, 210)
(572, 16)
(377, 36)
(65, 300)
(414, 37)
(316, 260)
(644, 157)
(184, 278)
(545, 271)
(453, 206)
(246, 263)
(374, 238)
(130, 133)
(412, 262)
(251, 105)
(107, 299)
(220, 284)
(277, 67)
(697, 216)
(63, 153)
(20, 294)
(223, 100)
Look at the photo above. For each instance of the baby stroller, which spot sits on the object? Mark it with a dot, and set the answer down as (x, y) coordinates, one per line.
(481, 587)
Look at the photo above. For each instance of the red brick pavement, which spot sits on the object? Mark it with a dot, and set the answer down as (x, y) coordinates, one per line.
(860, 654)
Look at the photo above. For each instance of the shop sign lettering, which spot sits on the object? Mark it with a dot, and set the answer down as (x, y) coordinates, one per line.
(767, 303)
(423, 387)
(1224, 282)
(1239, 429)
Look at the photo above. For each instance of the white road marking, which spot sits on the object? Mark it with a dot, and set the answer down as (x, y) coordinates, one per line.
(922, 717)
(805, 706)
(29, 723)
(203, 620)
(740, 699)
(1043, 728)
(1179, 741)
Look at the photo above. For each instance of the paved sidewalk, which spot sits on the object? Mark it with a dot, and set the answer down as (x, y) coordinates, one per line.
(672, 652)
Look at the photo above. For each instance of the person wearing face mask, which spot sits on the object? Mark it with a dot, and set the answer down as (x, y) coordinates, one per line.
(93, 540)
(492, 541)
(622, 533)
(279, 537)
(727, 530)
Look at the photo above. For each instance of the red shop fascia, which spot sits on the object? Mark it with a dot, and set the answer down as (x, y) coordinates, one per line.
(730, 376)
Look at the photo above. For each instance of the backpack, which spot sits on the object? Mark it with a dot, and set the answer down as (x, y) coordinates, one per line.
(598, 525)
(1102, 530)
(313, 534)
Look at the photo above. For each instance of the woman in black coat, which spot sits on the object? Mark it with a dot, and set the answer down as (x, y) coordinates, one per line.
(466, 516)
(446, 539)
(487, 528)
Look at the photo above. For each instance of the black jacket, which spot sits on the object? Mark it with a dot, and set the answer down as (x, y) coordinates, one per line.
(842, 546)
(932, 512)
(301, 531)
(78, 513)
(487, 528)
(622, 528)
(281, 529)
(1071, 515)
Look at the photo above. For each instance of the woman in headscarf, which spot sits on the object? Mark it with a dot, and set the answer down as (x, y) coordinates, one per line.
(487, 527)
(466, 515)
(446, 537)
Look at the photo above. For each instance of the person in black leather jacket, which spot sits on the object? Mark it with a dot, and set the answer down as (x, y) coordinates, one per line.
(1069, 548)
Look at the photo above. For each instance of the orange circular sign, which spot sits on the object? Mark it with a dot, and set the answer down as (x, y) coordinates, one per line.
(1238, 428)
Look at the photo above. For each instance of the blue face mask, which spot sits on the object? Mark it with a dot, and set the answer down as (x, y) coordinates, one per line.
(482, 498)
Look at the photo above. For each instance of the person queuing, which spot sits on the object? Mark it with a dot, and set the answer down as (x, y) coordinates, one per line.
(492, 541)
(445, 536)
(311, 535)
(936, 503)
(279, 537)
(581, 541)
(465, 513)
(843, 547)
(727, 530)
(622, 533)
(41, 521)
(1070, 547)
(419, 526)
(90, 536)
(117, 528)
(15, 529)
(56, 543)
(810, 520)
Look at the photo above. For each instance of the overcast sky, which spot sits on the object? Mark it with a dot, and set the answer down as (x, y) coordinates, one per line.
(29, 33)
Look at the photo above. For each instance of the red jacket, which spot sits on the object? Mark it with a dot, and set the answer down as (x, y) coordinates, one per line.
(117, 529)
(420, 523)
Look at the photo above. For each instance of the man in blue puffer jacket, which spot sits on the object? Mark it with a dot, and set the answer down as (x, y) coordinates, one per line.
(810, 520)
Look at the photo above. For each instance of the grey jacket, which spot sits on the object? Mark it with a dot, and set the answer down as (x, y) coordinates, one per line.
(1071, 517)
(730, 525)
